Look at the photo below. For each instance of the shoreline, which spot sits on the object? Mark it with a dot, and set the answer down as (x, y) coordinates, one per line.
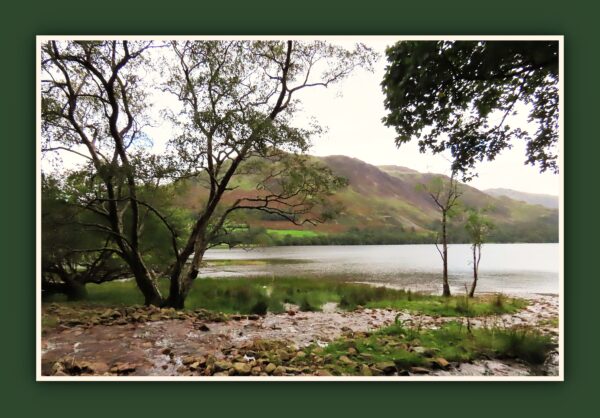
(164, 347)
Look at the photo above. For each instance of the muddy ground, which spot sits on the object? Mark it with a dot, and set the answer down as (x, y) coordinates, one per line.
(175, 344)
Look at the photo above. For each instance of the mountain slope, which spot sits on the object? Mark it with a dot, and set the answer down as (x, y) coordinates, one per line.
(388, 200)
(546, 200)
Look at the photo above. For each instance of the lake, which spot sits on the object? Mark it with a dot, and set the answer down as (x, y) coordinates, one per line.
(507, 268)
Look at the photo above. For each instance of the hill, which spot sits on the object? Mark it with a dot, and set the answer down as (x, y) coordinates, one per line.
(547, 200)
(384, 205)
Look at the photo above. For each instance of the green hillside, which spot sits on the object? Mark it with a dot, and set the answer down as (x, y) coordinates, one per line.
(384, 205)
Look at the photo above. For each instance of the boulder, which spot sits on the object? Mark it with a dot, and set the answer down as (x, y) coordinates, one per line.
(387, 367)
(242, 369)
(270, 368)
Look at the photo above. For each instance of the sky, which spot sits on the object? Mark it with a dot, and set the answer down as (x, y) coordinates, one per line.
(352, 111)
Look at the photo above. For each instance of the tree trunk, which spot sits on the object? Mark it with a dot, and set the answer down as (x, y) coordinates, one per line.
(475, 268)
(145, 281)
(446, 291)
(182, 284)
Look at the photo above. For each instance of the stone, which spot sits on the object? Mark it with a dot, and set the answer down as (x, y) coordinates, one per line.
(203, 327)
(323, 372)
(365, 370)
(221, 374)
(222, 365)
(122, 368)
(243, 369)
(166, 351)
(270, 368)
(419, 370)
(346, 360)
(300, 354)
(441, 362)
(352, 351)
(256, 371)
(419, 350)
(279, 371)
(387, 367)
(253, 317)
(283, 355)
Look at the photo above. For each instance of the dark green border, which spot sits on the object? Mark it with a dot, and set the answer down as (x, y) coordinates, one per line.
(19, 391)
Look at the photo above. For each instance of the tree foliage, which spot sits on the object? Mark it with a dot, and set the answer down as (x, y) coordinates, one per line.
(236, 101)
(459, 96)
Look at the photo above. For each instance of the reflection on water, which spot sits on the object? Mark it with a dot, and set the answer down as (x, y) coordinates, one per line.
(509, 268)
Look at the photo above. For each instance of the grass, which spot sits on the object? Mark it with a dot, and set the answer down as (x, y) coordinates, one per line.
(407, 347)
(280, 233)
(257, 295)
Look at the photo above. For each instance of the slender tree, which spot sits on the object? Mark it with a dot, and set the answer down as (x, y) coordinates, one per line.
(478, 227)
(445, 195)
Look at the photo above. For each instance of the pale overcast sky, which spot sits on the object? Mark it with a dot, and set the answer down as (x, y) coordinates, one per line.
(355, 129)
(352, 112)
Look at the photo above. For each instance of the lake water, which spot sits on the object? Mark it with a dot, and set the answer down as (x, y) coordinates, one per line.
(507, 268)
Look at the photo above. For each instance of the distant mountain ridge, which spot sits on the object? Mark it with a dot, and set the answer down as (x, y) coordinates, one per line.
(547, 200)
(387, 199)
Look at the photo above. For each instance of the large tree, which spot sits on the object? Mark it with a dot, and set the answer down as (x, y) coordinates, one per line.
(93, 106)
(460, 96)
(237, 102)
(238, 99)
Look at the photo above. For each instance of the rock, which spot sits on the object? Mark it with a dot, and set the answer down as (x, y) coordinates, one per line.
(279, 371)
(123, 368)
(440, 362)
(365, 370)
(375, 371)
(270, 368)
(323, 372)
(283, 355)
(243, 369)
(221, 374)
(291, 313)
(387, 367)
(222, 365)
(203, 327)
(346, 360)
(419, 370)
(419, 350)
(300, 354)
(256, 371)
(253, 317)
(166, 351)
(58, 367)
(352, 351)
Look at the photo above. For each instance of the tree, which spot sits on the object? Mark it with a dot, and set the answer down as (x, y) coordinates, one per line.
(478, 227)
(237, 103)
(445, 195)
(73, 257)
(93, 104)
(459, 96)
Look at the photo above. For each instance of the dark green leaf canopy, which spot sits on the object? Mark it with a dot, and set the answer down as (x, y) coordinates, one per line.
(459, 96)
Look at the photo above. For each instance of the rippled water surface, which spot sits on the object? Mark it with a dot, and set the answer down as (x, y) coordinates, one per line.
(509, 268)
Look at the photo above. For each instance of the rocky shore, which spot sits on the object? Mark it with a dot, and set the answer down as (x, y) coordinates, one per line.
(147, 341)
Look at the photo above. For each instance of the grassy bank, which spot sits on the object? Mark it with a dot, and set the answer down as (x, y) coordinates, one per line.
(399, 349)
(259, 295)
